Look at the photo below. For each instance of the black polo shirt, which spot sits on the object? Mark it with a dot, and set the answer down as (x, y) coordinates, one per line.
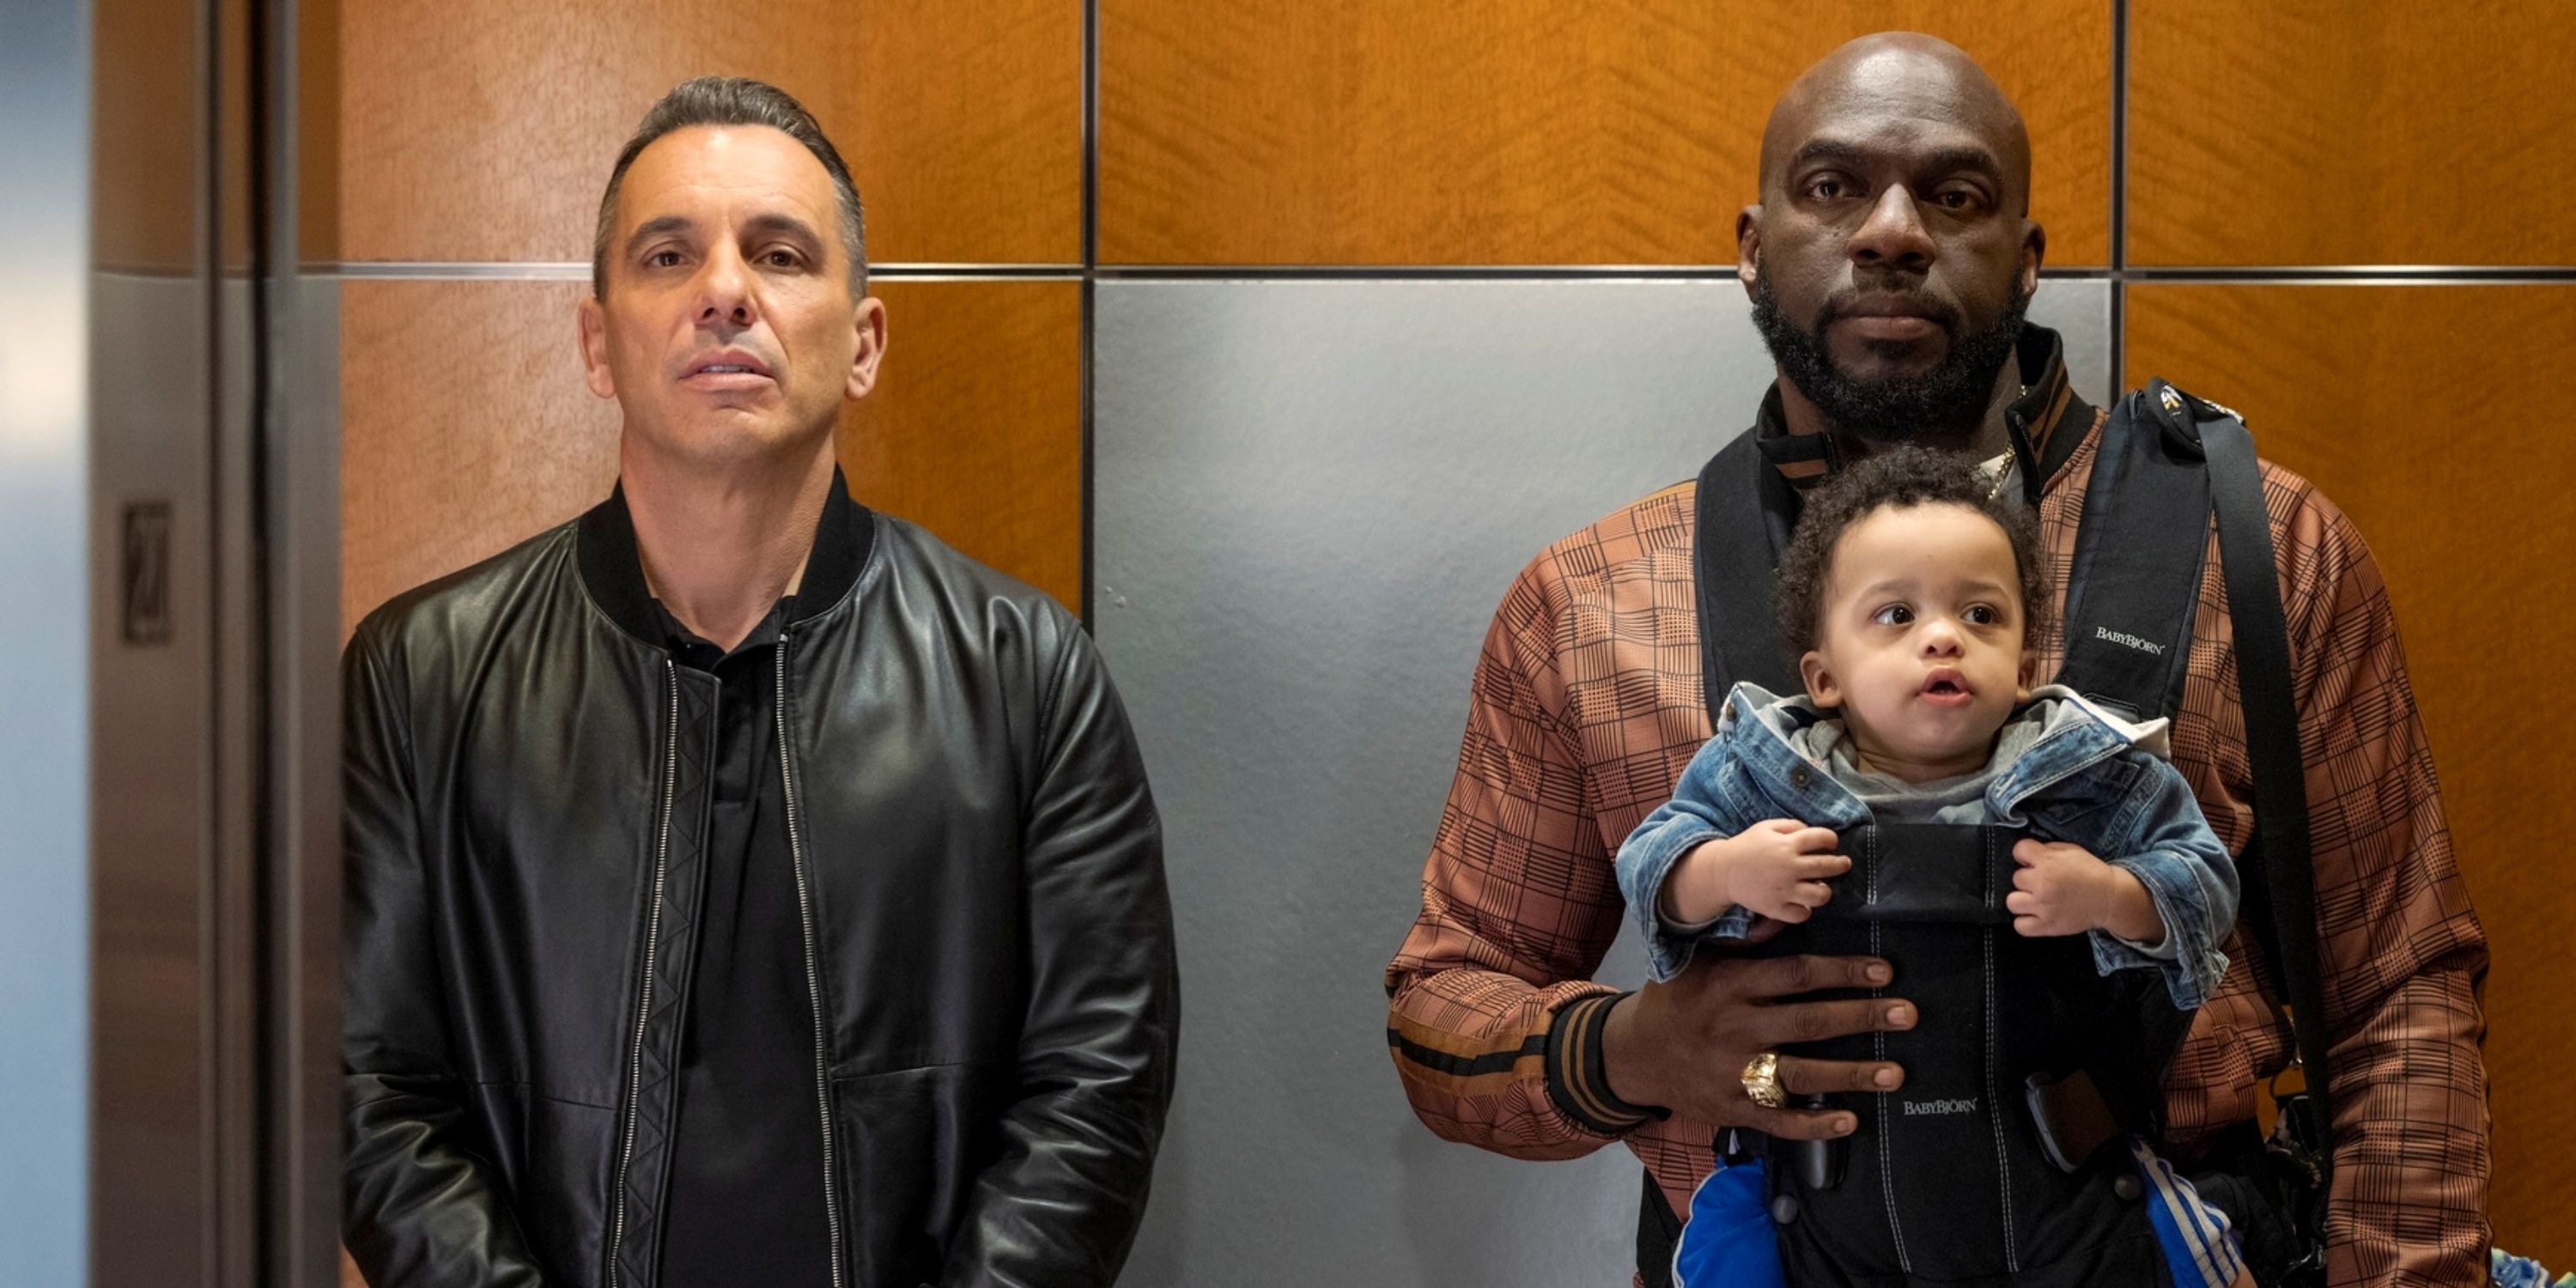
(747, 1184)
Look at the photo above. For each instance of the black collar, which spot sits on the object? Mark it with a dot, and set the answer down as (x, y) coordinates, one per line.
(2046, 422)
(604, 541)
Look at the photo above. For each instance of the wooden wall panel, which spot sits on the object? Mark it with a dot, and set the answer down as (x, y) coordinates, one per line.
(317, 131)
(485, 129)
(147, 137)
(466, 426)
(1522, 131)
(975, 427)
(2327, 132)
(2416, 410)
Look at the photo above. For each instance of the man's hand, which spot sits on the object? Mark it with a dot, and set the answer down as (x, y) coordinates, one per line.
(1777, 868)
(1681, 1045)
(2063, 889)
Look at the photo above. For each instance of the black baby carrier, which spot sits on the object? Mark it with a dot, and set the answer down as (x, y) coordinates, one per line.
(1999, 1161)
(1995, 1163)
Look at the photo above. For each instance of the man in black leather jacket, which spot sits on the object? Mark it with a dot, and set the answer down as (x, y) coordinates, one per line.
(744, 886)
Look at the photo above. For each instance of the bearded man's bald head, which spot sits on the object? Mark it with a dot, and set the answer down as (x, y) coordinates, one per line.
(1891, 253)
(1904, 74)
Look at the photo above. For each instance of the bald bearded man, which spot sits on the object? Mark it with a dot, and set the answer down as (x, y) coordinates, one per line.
(1889, 261)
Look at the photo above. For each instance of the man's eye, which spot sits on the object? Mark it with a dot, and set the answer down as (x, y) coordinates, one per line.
(1828, 189)
(662, 259)
(1893, 615)
(782, 259)
(1955, 199)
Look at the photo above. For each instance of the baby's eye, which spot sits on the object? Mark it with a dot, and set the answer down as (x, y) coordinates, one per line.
(1893, 615)
(1984, 615)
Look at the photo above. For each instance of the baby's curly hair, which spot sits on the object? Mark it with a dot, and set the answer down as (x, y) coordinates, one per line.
(1897, 478)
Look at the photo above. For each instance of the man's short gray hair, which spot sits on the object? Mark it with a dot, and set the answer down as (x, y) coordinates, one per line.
(737, 101)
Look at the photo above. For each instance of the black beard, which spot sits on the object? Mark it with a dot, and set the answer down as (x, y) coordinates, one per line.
(1950, 398)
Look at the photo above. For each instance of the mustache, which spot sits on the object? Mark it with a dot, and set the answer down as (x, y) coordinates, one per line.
(1847, 301)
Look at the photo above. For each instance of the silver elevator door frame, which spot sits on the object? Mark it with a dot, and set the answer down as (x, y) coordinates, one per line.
(213, 539)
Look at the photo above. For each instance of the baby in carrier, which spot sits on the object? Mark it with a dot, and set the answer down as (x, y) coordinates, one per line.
(2050, 895)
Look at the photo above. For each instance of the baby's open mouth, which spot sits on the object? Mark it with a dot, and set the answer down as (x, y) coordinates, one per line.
(1945, 684)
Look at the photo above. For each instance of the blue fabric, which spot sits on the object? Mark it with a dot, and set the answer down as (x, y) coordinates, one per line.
(2200, 1248)
(2084, 782)
(1727, 1241)
(2506, 1270)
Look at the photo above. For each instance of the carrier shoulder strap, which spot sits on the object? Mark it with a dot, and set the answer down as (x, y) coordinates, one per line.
(2167, 462)
(2133, 586)
(1735, 552)
(2281, 882)
(1740, 525)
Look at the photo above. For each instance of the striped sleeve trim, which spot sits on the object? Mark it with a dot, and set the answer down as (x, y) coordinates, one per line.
(1577, 1077)
(1462, 1077)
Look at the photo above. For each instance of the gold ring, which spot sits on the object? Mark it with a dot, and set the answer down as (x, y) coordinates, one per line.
(1762, 1081)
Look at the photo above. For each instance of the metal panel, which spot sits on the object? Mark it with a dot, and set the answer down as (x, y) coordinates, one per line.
(212, 793)
(1309, 498)
(153, 1141)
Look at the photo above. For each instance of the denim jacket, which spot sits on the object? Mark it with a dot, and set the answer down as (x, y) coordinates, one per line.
(2087, 778)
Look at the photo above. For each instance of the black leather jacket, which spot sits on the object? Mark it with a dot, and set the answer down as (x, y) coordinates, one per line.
(980, 870)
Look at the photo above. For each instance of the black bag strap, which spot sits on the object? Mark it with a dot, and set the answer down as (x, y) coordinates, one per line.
(1735, 553)
(1735, 557)
(2282, 879)
(2133, 586)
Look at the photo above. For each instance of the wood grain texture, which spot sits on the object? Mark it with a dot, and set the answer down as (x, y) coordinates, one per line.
(147, 137)
(1522, 131)
(317, 131)
(2425, 413)
(975, 427)
(485, 129)
(465, 426)
(2329, 132)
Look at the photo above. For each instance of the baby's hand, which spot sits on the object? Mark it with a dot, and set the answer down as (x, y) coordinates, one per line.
(2064, 889)
(1776, 868)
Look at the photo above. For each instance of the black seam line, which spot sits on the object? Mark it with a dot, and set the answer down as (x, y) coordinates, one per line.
(2328, 274)
(2119, 134)
(1089, 332)
(2261, 274)
(2116, 319)
(567, 270)
(1465, 1066)
(2353, 273)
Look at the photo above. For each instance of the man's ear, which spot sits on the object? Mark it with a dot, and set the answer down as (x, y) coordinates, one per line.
(593, 322)
(2034, 252)
(1748, 245)
(1821, 686)
(871, 324)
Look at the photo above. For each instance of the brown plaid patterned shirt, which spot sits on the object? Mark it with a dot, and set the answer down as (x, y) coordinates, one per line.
(1586, 705)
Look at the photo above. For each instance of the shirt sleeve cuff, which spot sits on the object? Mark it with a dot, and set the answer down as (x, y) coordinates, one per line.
(1577, 1076)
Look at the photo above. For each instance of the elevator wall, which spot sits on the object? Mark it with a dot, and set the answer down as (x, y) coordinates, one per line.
(1275, 337)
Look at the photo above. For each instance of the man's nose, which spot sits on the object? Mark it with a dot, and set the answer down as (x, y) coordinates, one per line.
(724, 290)
(1893, 236)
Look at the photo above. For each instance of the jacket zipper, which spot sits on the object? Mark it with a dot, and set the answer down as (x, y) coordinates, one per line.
(652, 943)
(813, 974)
